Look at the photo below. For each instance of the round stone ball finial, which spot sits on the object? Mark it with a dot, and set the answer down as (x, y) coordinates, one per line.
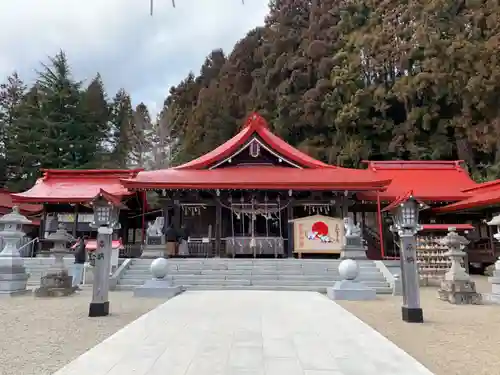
(348, 269)
(159, 268)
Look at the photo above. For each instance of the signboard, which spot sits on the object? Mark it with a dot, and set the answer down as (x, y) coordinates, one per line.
(70, 218)
(318, 234)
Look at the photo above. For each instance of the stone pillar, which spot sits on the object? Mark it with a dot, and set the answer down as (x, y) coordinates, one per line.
(57, 282)
(13, 276)
(457, 286)
(495, 284)
(100, 301)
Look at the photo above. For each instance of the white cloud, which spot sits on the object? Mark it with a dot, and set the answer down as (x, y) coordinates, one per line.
(118, 38)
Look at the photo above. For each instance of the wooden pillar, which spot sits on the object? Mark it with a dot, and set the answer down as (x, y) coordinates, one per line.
(345, 206)
(177, 215)
(338, 206)
(289, 210)
(218, 228)
(75, 222)
(125, 232)
(43, 223)
(143, 217)
(166, 218)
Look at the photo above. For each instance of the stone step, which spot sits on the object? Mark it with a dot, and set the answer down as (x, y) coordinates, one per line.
(222, 282)
(285, 278)
(381, 290)
(233, 263)
(250, 271)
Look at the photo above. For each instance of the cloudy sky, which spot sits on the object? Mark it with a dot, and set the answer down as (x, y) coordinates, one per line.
(118, 38)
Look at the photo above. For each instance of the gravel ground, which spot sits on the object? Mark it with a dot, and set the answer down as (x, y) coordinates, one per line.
(454, 340)
(39, 336)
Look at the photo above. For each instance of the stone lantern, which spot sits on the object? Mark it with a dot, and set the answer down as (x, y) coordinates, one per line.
(106, 219)
(405, 214)
(457, 286)
(495, 279)
(13, 276)
(57, 282)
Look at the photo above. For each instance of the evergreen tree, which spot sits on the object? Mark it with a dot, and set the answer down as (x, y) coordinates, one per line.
(121, 118)
(27, 143)
(12, 92)
(141, 138)
(66, 144)
(94, 124)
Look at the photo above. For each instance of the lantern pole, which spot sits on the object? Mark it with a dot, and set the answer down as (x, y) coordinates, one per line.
(406, 226)
(105, 220)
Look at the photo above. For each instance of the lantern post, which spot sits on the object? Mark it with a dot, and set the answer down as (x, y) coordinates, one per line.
(106, 211)
(405, 217)
(495, 277)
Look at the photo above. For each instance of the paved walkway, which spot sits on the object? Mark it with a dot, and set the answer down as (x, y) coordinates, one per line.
(246, 333)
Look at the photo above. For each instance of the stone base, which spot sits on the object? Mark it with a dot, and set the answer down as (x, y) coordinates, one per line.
(97, 309)
(154, 251)
(157, 289)
(412, 314)
(353, 253)
(56, 284)
(14, 293)
(459, 292)
(353, 248)
(14, 283)
(348, 290)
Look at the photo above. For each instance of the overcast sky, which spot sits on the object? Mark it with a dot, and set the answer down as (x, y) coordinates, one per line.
(118, 38)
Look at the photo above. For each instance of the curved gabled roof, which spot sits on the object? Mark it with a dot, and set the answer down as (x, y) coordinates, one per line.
(254, 126)
(7, 203)
(76, 186)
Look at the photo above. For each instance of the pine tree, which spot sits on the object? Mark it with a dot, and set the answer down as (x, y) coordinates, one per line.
(121, 118)
(94, 124)
(61, 111)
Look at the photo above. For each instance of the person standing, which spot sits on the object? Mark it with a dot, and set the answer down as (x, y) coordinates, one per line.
(80, 259)
(183, 241)
(171, 241)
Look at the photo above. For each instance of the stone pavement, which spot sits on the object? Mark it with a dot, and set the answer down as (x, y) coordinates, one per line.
(246, 333)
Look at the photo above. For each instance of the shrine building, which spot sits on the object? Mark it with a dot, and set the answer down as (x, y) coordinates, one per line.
(250, 195)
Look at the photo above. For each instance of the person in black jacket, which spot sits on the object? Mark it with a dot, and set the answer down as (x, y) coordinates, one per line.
(171, 241)
(80, 259)
(183, 241)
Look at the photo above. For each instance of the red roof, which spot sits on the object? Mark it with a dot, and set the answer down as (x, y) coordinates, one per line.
(6, 204)
(303, 172)
(428, 180)
(254, 126)
(258, 177)
(483, 195)
(75, 186)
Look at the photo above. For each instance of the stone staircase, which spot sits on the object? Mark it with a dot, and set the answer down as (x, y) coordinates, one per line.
(253, 274)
